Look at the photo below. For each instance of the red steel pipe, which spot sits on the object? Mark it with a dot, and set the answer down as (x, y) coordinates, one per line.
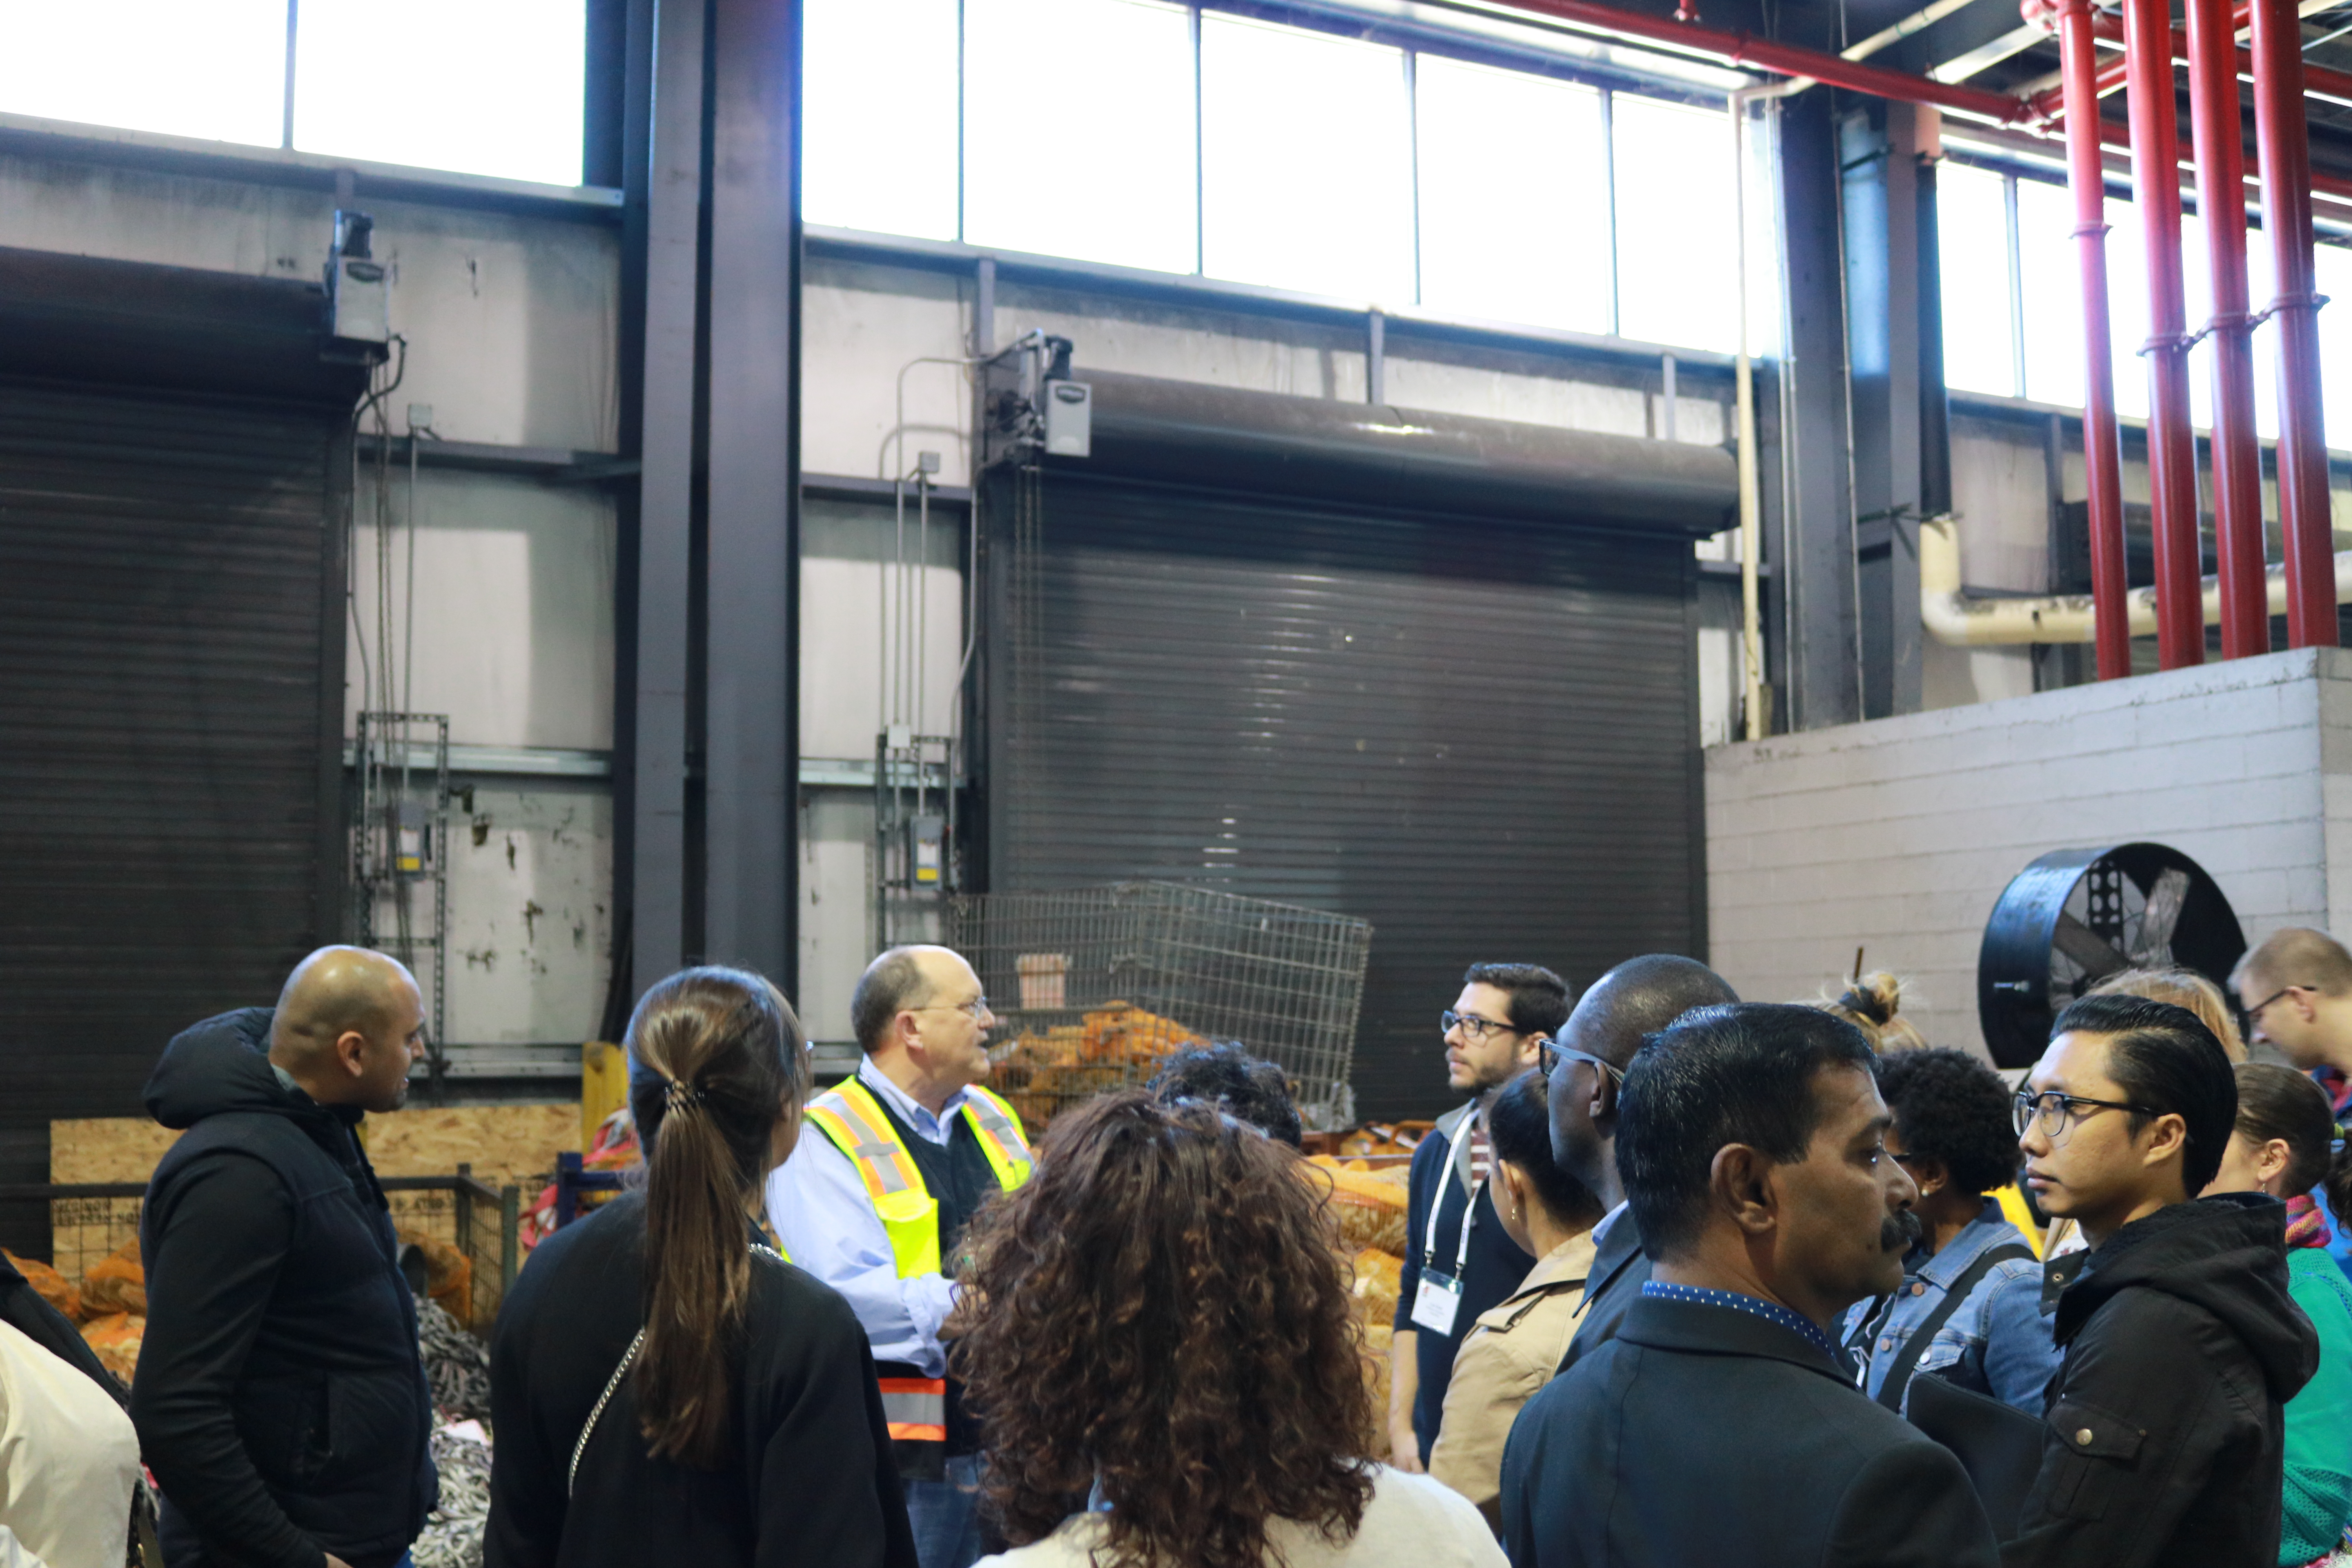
(2171, 451)
(2315, 78)
(2101, 450)
(2284, 143)
(2236, 454)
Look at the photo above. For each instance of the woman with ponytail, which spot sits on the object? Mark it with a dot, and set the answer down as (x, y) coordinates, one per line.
(2285, 1144)
(665, 1386)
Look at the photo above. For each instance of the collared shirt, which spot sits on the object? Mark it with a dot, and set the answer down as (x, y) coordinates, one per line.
(1997, 1342)
(821, 1214)
(1601, 1231)
(1754, 1305)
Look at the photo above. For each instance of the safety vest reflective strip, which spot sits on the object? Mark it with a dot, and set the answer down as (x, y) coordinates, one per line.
(858, 1127)
(916, 1409)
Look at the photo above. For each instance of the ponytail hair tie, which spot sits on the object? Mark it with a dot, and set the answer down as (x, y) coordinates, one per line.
(681, 1094)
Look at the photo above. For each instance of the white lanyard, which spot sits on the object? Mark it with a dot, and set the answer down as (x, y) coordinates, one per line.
(1438, 1298)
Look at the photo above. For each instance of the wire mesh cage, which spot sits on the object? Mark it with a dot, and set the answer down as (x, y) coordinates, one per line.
(1093, 987)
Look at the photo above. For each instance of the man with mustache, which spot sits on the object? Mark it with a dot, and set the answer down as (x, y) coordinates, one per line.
(2165, 1435)
(1720, 1425)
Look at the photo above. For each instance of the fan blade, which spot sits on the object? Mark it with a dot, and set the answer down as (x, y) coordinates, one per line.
(2088, 948)
(2154, 949)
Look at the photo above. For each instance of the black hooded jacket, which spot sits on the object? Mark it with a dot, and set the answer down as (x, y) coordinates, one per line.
(2164, 1437)
(279, 1400)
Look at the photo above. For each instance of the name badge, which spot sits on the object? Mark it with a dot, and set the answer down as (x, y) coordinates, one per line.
(1437, 1301)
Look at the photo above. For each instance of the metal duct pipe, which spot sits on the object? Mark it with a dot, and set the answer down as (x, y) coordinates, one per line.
(2102, 442)
(1186, 433)
(2284, 142)
(1955, 618)
(2236, 456)
(2171, 450)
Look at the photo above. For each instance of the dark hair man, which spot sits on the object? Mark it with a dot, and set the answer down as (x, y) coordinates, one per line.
(1458, 1261)
(1243, 1087)
(2166, 1434)
(1719, 1423)
(280, 1401)
(1631, 1001)
(876, 1206)
(1969, 1307)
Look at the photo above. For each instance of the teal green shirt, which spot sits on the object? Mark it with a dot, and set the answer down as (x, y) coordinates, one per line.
(2317, 1500)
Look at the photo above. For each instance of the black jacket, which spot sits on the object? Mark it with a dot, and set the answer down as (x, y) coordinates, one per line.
(1703, 1435)
(1436, 1202)
(811, 1480)
(2165, 1436)
(280, 1400)
(1620, 1269)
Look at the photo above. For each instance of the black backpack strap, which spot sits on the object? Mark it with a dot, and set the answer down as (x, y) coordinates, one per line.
(1898, 1376)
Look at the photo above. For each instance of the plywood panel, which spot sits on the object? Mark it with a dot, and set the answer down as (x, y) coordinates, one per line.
(503, 1144)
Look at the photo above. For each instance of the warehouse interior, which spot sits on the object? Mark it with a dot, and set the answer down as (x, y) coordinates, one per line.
(563, 490)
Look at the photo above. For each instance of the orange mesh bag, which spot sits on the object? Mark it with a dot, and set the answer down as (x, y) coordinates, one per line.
(116, 1338)
(49, 1285)
(448, 1274)
(1368, 1206)
(116, 1283)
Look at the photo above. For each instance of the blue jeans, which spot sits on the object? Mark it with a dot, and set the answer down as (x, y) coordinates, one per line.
(946, 1516)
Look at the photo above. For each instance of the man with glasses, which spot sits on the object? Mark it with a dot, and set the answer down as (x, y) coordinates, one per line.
(2295, 989)
(2163, 1437)
(876, 1209)
(1458, 1260)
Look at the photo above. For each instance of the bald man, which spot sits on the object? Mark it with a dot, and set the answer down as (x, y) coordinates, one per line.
(876, 1207)
(280, 1400)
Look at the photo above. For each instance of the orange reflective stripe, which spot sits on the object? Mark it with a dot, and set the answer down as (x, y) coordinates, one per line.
(915, 1409)
(903, 1432)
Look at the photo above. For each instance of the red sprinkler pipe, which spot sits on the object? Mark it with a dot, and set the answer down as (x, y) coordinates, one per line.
(2101, 454)
(2315, 78)
(2237, 456)
(2283, 140)
(2172, 454)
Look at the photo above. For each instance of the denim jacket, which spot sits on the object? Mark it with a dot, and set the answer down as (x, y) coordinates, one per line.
(1997, 1344)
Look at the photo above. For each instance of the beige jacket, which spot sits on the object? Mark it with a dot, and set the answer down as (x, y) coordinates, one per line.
(1512, 1352)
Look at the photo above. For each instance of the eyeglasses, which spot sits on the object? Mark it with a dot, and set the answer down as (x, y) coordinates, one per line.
(1550, 1053)
(2055, 1114)
(971, 1009)
(1472, 1026)
(2255, 1013)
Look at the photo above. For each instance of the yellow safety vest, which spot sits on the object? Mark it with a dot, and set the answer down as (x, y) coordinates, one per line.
(915, 1409)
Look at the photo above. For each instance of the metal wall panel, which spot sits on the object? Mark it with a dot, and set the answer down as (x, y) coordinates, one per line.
(171, 594)
(1478, 735)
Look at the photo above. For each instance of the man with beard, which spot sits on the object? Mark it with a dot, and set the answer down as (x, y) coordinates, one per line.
(1458, 1261)
(1720, 1425)
(280, 1400)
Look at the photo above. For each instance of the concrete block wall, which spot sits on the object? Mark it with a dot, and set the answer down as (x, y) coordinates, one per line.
(1897, 836)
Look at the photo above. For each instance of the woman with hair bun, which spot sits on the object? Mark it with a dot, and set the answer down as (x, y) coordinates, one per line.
(2285, 1143)
(1166, 1367)
(1873, 1004)
(665, 1386)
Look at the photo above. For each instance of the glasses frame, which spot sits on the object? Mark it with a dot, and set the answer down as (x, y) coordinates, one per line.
(2027, 1110)
(2254, 1014)
(1550, 1053)
(971, 1009)
(1472, 1026)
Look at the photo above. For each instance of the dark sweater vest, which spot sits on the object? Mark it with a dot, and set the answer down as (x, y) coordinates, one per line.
(960, 1178)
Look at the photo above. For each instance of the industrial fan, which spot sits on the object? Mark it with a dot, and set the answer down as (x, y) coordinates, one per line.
(2076, 916)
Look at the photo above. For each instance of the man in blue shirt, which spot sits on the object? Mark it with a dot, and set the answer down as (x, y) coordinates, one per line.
(1720, 1425)
(1458, 1261)
(1969, 1307)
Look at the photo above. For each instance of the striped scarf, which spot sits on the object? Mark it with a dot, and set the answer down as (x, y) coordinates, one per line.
(2306, 1226)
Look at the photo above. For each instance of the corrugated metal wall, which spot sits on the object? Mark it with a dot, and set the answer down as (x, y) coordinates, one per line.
(1481, 736)
(171, 653)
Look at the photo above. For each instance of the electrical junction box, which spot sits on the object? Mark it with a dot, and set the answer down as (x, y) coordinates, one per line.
(926, 836)
(359, 289)
(1069, 420)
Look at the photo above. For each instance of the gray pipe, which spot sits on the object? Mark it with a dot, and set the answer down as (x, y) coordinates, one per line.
(1146, 428)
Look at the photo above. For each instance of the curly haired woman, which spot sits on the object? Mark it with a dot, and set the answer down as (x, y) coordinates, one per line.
(1166, 1369)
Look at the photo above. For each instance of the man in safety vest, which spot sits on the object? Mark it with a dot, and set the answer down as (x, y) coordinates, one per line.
(876, 1207)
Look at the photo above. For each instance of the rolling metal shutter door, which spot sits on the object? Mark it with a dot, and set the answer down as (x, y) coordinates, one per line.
(1480, 735)
(170, 610)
